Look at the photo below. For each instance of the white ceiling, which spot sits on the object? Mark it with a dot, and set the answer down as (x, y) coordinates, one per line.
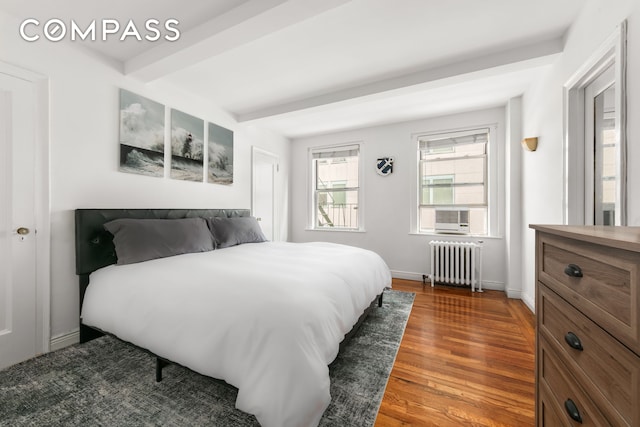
(304, 67)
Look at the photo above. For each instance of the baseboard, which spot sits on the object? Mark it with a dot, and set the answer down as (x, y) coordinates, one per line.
(529, 303)
(494, 286)
(514, 293)
(407, 275)
(64, 340)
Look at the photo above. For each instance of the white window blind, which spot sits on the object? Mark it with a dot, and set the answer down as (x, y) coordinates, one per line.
(335, 152)
(479, 136)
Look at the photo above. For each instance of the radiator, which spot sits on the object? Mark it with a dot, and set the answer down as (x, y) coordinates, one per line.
(456, 263)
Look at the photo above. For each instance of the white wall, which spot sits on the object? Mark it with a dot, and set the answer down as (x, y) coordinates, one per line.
(388, 200)
(513, 199)
(542, 171)
(84, 152)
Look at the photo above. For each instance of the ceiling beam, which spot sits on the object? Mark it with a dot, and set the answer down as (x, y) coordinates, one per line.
(250, 21)
(542, 53)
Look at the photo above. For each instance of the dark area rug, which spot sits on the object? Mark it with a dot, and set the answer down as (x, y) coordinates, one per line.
(106, 382)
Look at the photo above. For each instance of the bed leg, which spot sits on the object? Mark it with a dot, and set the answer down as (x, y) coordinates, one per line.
(160, 363)
(380, 300)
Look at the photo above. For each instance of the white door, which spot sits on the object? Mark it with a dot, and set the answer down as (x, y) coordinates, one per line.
(17, 221)
(264, 170)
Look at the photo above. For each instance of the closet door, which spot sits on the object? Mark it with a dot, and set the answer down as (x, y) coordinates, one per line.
(17, 221)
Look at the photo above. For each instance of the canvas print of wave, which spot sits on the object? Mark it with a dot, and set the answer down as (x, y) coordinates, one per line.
(187, 144)
(141, 135)
(220, 162)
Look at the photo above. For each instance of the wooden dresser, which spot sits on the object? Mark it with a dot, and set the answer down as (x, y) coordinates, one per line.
(588, 326)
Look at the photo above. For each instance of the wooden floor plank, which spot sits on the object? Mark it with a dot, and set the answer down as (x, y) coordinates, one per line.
(465, 359)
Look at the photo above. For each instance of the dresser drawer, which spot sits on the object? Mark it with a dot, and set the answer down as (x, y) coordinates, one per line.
(550, 413)
(564, 391)
(566, 328)
(607, 289)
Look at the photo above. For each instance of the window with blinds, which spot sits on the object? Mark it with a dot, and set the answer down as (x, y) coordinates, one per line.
(336, 187)
(453, 174)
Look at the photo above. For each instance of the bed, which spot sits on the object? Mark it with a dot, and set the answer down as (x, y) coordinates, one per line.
(266, 317)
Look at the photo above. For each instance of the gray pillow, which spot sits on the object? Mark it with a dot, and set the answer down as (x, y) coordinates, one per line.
(139, 240)
(235, 231)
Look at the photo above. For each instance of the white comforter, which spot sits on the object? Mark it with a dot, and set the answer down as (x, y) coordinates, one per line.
(265, 317)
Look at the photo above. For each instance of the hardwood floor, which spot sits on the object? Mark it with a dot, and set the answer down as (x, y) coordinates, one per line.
(465, 359)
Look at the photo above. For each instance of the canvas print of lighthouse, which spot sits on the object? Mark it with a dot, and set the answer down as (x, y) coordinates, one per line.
(187, 142)
(141, 135)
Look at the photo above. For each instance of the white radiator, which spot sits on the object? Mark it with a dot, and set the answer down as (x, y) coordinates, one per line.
(457, 263)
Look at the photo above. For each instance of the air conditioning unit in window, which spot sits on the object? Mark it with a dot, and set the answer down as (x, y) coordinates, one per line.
(452, 220)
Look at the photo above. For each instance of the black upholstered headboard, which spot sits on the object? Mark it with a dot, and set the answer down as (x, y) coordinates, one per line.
(94, 245)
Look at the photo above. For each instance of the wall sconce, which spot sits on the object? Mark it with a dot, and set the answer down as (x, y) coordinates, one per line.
(530, 144)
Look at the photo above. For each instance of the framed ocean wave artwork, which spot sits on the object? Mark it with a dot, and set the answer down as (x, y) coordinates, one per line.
(141, 135)
(187, 145)
(220, 161)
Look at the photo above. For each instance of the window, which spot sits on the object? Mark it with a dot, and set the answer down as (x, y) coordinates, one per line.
(452, 173)
(336, 188)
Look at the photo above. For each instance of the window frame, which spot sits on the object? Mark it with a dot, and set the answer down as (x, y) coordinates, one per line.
(493, 184)
(314, 191)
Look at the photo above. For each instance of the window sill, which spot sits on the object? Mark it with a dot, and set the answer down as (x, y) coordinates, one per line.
(338, 230)
(456, 236)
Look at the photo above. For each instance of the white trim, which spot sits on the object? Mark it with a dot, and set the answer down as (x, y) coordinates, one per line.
(64, 340)
(42, 201)
(529, 303)
(337, 230)
(406, 275)
(513, 293)
(453, 236)
(43, 215)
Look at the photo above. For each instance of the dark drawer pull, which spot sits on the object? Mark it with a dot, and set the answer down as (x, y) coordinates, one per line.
(573, 270)
(573, 341)
(572, 410)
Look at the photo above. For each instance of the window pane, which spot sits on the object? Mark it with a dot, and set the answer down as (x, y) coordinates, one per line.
(464, 170)
(342, 170)
(337, 208)
(470, 195)
(452, 194)
(339, 197)
(437, 190)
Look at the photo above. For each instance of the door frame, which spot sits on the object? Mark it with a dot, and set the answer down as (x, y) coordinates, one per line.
(42, 201)
(276, 161)
(612, 52)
